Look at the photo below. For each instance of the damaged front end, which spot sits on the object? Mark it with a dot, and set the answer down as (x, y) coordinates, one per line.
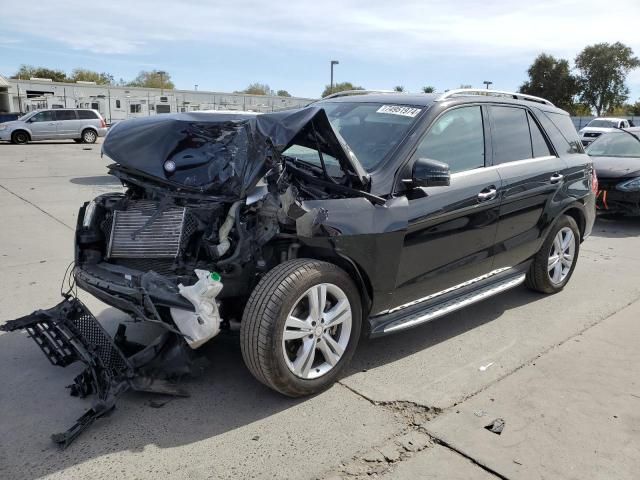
(210, 204)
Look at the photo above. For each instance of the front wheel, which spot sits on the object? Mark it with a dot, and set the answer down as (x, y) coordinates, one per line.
(301, 326)
(20, 137)
(553, 265)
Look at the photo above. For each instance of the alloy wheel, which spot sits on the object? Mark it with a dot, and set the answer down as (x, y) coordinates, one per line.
(561, 255)
(89, 136)
(317, 331)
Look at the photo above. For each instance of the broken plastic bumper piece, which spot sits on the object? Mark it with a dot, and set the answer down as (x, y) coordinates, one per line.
(68, 333)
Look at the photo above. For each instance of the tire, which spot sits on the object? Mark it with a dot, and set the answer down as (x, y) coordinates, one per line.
(20, 137)
(282, 295)
(543, 274)
(89, 136)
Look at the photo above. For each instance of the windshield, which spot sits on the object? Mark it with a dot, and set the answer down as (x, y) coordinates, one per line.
(615, 144)
(26, 116)
(603, 123)
(371, 130)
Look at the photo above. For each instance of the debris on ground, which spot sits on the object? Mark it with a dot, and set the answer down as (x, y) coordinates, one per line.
(496, 426)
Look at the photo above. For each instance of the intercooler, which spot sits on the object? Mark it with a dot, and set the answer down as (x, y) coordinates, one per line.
(146, 230)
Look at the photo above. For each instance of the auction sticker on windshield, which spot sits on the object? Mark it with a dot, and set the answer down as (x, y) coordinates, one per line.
(399, 110)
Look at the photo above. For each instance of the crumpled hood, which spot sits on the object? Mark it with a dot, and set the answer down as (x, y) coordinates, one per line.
(225, 153)
(616, 167)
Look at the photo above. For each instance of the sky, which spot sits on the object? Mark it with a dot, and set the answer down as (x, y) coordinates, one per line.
(225, 45)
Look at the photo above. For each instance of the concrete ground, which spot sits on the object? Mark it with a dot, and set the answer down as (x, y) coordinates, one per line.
(561, 371)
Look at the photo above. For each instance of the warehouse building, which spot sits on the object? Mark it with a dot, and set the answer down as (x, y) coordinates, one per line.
(119, 103)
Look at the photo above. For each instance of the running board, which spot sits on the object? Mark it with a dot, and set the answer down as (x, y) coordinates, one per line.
(445, 307)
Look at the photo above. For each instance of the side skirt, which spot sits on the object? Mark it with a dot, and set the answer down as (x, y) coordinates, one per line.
(448, 301)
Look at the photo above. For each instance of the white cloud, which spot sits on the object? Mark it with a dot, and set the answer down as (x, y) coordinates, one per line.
(375, 29)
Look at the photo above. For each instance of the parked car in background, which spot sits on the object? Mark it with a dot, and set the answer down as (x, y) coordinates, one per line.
(616, 158)
(79, 124)
(598, 126)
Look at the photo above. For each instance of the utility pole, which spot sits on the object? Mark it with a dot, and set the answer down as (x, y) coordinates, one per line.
(162, 74)
(333, 62)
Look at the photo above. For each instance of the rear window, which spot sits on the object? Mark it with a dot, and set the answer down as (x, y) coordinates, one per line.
(562, 132)
(87, 115)
(65, 115)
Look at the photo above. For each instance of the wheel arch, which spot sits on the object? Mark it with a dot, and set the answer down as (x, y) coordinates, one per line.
(355, 271)
(18, 130)
(576, 211)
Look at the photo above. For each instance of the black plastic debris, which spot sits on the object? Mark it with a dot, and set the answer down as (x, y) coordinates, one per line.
(69, 333)
(496, 426)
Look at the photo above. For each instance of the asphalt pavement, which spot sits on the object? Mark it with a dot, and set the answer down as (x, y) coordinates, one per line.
(560, 371)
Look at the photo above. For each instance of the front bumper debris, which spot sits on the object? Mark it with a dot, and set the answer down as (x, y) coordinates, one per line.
(68, 333)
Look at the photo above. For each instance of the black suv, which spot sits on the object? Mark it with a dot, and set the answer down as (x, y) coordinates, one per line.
(359, 213)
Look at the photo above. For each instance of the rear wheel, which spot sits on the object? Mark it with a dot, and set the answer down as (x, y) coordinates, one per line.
(20, 137)
(89, 136)
(301, 326)
(553, 265)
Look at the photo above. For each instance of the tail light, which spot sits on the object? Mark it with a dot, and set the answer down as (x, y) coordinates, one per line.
(102, 123)
(594, 181)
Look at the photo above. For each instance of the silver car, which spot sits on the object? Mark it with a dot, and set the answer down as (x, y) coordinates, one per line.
(80, 125)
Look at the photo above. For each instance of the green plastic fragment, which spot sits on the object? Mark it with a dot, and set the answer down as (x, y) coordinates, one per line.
(215, 276)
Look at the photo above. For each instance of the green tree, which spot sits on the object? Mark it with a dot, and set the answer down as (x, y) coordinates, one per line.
(84, 75)
(550, 78)
(257, 89)
(603, 69)
(25, 72)
(398, 88)
(428, 89)
(580, 110)
(152, 79)
(339, 87)
(634, 109)
(283, 93)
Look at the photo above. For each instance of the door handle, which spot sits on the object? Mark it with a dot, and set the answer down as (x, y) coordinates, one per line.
(488, 193)
(556, 177)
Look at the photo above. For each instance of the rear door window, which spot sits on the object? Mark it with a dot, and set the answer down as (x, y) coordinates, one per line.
(562, 132)
(87, 115)
(62, 115)
(457, 139)
(511, 139)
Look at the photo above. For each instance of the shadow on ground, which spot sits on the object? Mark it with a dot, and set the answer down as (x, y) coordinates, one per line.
(616, 226)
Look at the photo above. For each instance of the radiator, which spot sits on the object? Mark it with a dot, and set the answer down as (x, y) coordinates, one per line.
(132, 237)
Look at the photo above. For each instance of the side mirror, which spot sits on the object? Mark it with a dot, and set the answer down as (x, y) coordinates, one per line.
(430, 173)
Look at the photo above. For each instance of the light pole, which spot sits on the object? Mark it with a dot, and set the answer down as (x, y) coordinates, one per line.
(333, 62)
(162, 74)
(487, 83)
(195, 87)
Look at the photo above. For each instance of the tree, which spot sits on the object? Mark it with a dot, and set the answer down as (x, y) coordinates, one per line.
(634, 109)
(550, 78)
(428, 89)
(257, 89)
(152, 79)
(25, 72)
(339, 87)
(283, 93)
(603, 69)
(398, 88)
(580, 110)
(84, 75)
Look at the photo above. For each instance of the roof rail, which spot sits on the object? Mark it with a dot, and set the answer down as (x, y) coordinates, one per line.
(346, 93)
(460, 92)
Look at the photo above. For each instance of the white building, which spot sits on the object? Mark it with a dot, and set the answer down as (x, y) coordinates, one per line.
(120, 103)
